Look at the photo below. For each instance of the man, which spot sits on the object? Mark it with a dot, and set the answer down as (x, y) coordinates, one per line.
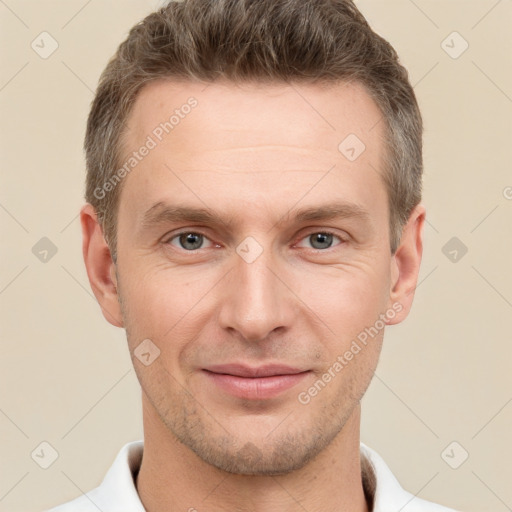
(253, 221)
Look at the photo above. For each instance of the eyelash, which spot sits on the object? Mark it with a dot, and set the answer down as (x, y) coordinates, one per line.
(323, 232)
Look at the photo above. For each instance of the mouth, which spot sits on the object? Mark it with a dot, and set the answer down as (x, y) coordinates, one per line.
(254, 383)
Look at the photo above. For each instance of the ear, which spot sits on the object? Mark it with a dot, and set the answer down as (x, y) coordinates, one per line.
(100, 267)
(405, 266)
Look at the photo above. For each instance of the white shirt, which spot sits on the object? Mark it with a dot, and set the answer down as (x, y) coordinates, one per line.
(117, 492)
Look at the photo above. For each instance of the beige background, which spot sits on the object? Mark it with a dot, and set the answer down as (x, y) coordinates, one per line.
(444, 376)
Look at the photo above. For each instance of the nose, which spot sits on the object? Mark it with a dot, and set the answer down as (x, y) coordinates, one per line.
(256, 300)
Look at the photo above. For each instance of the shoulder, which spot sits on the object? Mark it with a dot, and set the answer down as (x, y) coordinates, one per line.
(117, 491)
(85, 503)
(388, 493)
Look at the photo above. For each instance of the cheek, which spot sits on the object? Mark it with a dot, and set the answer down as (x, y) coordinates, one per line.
(346, 299)
(162, 302)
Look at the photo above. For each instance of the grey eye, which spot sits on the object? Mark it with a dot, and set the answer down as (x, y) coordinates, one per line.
(191, 241)
(321, 240)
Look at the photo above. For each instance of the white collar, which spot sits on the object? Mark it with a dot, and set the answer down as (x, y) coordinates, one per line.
(117, 492)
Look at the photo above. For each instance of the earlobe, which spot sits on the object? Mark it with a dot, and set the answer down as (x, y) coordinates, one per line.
(99, 265)
(405, 265)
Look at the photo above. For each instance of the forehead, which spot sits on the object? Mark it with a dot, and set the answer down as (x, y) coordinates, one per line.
(253, 141)
(313, 115)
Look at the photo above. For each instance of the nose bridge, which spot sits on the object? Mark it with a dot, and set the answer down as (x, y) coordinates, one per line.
(255, 303)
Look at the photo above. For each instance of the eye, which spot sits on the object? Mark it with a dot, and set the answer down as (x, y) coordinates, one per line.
(189, 240)
(320, 240)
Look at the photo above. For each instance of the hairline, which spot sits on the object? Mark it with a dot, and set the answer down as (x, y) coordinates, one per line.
(120, 149)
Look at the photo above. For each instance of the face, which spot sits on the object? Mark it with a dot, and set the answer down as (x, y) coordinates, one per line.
(253, 253)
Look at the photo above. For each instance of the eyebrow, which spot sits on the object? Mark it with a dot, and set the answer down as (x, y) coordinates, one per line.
(161, 213)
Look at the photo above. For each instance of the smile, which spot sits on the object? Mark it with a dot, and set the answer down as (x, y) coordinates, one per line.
(255, 383)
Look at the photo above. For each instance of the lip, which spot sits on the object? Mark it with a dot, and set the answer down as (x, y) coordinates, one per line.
(255, 383)
(240, 370)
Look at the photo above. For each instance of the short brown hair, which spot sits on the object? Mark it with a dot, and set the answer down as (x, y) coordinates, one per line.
(256, 40)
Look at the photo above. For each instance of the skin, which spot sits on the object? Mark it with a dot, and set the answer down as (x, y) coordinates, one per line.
(253, 155)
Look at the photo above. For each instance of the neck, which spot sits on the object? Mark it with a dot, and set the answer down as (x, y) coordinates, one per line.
(172, 477)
